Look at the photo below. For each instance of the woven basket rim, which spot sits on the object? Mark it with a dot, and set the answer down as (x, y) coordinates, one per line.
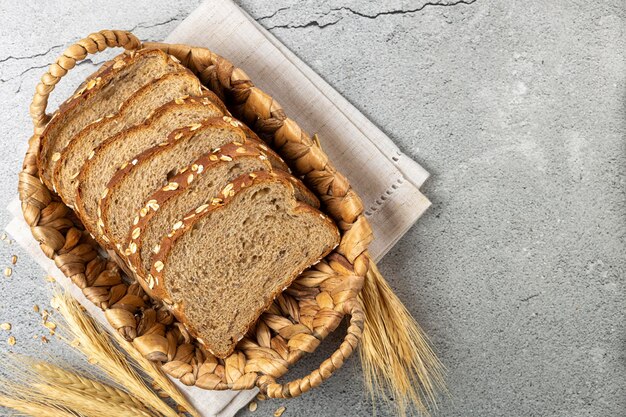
(298, 320)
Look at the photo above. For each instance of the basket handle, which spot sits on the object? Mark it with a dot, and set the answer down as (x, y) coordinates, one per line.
(96, 42)
(268, 385)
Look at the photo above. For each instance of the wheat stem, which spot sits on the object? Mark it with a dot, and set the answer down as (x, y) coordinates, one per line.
(157, 375)
(94, 342)
(22, 405)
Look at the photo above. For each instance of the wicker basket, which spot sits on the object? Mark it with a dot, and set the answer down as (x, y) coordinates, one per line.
(300, 318)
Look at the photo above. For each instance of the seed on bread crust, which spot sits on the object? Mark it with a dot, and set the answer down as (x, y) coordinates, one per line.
(119, 64)
(152, 204)
(171, 186)
(201, 208)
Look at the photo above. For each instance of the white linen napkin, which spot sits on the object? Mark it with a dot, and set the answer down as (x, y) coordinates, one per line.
(386, 179)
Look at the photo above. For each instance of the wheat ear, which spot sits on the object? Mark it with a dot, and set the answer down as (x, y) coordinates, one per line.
(53, 375)
(395, 353)
(94, 342)
(88, 404)
(48, 384)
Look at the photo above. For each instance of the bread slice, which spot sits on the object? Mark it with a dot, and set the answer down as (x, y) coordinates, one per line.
(221, 267)
(132, 112)
(131, 186)
(97, 98)
(198, 184)
(106, 159)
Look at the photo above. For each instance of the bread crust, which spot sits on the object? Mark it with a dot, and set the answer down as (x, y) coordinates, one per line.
(59, 168)
(89, 89)
(156, 278)
(91, 163)
(184, 180)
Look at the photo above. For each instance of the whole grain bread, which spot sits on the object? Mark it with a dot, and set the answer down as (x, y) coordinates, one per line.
(100, 96)
(106, 159)
(132, 112)
(223, 264)
(198, 184)
(131, 186)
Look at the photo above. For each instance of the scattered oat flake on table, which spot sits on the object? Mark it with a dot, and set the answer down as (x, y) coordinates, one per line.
(252, 406)
(11, 340)
(5, 326)
(279, 412)
(7, 271)
(50, 325)
(14, 259)
(36, 308)
(4, 236)
(44, 339)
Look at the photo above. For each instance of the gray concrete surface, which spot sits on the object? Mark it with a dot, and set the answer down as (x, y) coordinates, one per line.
(516, 108)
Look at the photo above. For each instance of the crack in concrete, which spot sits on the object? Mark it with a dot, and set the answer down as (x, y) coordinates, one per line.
(530, 297)
(19, 58)
(145, 25)
(273, 14)
(316, 23)
(5, 80)
(306, 25)
(402, 11)
(19, 87)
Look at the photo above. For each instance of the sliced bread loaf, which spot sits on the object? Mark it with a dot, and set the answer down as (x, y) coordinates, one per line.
(222, 266)
(131, 186)
(133, 111)
(198, 184)
(97, 98)
(107, 158)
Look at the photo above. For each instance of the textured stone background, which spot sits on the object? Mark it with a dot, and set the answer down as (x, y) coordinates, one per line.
(516, 108)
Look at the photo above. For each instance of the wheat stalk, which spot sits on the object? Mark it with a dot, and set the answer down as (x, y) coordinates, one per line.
(29, 407)
(395, 354)
(95, 343)
(157, 375)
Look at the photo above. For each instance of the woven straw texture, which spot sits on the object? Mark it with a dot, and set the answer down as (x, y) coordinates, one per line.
(299, 319)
